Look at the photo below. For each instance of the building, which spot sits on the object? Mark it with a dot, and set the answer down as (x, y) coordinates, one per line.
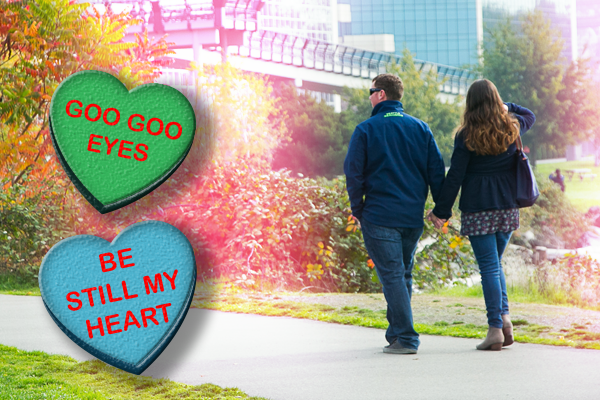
(447, 32)
(451, 32)
(311, 19)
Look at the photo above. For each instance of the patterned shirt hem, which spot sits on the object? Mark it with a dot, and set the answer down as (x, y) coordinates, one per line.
(491, 221)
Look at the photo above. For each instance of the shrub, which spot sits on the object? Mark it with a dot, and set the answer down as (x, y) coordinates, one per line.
(29, 226)
(447, 258)
(573, 279)
(254, 226)
(263, 224)
(552, 215)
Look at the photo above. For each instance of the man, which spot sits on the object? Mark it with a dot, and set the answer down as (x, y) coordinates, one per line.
(558, 178)
(392, 162)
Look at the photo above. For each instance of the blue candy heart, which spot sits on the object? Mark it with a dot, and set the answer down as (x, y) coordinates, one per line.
(123, 301)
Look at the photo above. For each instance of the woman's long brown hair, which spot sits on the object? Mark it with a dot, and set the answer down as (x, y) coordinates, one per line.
(487, 129)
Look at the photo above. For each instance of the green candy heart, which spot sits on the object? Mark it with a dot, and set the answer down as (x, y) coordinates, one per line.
(118, 145)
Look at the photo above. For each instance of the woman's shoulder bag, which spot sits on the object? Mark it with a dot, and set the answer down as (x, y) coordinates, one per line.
(527, 189)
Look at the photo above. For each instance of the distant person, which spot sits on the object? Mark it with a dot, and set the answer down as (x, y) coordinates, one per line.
(483, 164)
(558, 178)
(392, 162)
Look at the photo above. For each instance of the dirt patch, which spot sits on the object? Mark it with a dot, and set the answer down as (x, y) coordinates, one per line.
(534, 319)
(429, 309)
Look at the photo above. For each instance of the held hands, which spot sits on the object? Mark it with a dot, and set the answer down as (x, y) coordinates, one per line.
(437, 222)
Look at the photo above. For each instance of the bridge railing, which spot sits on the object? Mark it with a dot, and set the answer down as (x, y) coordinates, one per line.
(335, 58)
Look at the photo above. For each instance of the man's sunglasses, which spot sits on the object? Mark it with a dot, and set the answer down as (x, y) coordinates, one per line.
(373, 90)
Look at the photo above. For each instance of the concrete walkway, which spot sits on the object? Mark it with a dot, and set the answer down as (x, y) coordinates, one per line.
(288, 359)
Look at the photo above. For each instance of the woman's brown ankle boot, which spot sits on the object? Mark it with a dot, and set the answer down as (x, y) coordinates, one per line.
(493, 340)
(507, 330)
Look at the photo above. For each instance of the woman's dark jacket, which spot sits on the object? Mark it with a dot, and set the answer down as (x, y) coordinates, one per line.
(488, 182)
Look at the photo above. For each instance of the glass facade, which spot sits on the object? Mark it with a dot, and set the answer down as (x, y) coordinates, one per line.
(440, 31)
(311, 19)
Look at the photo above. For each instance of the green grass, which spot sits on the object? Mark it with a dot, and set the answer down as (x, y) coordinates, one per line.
(15, 284)
(36, 375)
(528, 293)
(582, 194)
(348, 315)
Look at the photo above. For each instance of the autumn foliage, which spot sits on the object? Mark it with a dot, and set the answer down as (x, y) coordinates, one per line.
(42, 43)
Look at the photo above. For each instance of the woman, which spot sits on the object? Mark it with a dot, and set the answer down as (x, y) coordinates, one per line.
(483, 163)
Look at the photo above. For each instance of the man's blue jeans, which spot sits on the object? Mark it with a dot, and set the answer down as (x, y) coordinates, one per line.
(488, 251)
(393, 250)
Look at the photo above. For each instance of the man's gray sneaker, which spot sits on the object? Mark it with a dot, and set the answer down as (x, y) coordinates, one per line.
(396, 348)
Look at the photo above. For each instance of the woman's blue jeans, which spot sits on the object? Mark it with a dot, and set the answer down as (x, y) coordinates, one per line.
(488, 251)
(393, 250)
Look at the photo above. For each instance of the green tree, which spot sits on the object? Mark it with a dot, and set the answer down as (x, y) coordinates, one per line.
(317, 145)
(580, 103)
(241, 118)
(421, 99)
(358, 109)
(527, 68)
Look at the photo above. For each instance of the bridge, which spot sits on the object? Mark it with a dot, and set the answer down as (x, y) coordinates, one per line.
(215, 30)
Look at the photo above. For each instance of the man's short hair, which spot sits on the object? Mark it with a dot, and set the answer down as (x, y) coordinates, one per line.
(391, 84)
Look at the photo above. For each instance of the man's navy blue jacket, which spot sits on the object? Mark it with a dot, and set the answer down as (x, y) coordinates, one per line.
(392, 161)
(488, 182)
